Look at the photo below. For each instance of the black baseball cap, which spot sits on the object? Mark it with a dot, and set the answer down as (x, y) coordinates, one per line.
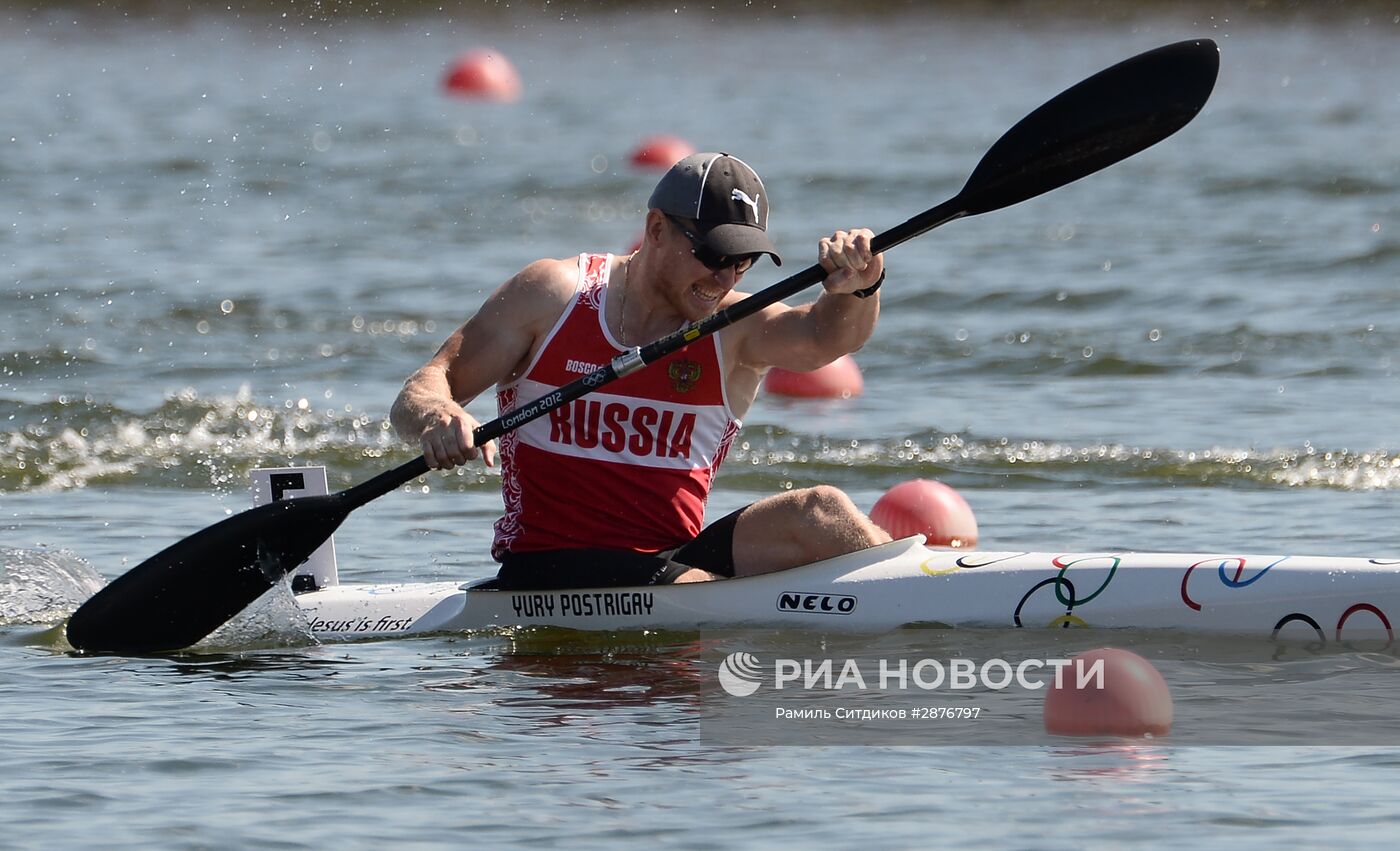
(725, 199)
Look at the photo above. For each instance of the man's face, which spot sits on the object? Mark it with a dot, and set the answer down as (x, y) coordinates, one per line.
(703, 277)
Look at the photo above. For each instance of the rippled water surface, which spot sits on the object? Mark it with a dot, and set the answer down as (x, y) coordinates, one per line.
(227, 239)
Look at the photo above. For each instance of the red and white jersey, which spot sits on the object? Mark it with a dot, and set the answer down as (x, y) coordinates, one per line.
(625, 467)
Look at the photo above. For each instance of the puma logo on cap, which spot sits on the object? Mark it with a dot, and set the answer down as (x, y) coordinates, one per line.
(741, 195)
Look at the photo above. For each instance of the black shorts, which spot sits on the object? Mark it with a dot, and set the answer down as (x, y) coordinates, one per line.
(712, 550)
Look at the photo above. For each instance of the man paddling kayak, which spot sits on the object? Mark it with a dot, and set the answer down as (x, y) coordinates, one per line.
(184, 592)
(610, 490)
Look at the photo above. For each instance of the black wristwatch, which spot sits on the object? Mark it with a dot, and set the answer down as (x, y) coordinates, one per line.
(870, 290)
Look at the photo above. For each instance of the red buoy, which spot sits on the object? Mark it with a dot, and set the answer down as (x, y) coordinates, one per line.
(928, 508)
(839, 379)
(1129, 699)
(661, 152)
(482, 74)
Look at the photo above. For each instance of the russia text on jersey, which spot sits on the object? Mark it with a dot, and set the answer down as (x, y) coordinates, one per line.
(633, 431)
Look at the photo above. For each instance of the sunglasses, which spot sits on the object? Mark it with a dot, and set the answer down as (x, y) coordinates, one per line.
(707, 255)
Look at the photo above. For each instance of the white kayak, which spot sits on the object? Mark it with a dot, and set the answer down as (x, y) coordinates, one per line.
(905, 583)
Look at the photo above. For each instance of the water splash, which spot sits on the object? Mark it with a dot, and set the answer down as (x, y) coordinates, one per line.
(778, 455)
(43, 586)
(273, 620)
(213, 443)
(64, 444)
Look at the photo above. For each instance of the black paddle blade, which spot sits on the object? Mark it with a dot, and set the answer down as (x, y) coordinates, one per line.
(180, 595)
(1109, 117)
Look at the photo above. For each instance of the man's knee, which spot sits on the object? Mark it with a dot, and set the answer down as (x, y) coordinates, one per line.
(828, 503)
(799, 527)
(831, 509)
